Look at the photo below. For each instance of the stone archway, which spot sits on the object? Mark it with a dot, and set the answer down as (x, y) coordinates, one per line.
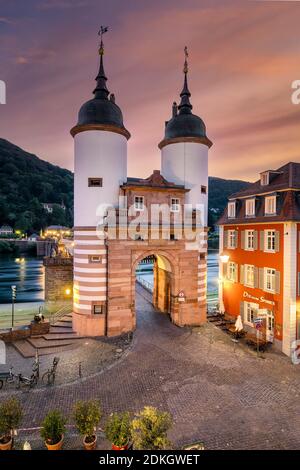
(164, 281)
(177, 271)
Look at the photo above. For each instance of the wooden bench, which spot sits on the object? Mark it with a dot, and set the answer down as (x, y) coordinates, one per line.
(251, 340)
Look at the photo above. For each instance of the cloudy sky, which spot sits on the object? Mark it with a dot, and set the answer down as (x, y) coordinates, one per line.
(243, 57)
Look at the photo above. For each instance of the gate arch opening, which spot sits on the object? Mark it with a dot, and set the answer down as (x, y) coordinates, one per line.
(154, 272)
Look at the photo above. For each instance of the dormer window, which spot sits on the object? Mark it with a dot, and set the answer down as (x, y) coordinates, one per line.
(231, 210)
(175, 205)
(250, 207)
(270, 205)
(265, 178)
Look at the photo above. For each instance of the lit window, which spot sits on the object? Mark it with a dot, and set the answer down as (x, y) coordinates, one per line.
(231, 210)
(251, 313)
(249, 275)
(270, 205)
(270, 237)
(231, 239)
(249, 240)
(270, 280)
(250, 207)
(232, 271)
(175, 205)
(139, 203)
(264, 178)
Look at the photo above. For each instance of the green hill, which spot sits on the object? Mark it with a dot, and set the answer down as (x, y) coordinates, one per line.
(218, 191)
(27, 181)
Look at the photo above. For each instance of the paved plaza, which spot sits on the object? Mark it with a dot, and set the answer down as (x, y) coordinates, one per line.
(227, 399)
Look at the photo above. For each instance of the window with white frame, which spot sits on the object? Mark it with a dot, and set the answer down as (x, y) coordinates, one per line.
(251, 311)
(250, 207)
(139, 203)
(175, 204)
(231, 239)
(249, 240)
(232, 271)
(270, 240)
(231, 210)
(249, 275)
(270, 205)
(264, 178)
(270, 280)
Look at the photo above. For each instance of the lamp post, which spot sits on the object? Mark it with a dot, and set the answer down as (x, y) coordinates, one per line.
(13, 298)
(224, 260)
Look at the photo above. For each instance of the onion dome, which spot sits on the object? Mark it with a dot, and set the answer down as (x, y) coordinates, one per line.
(101, 112)
(184, 126)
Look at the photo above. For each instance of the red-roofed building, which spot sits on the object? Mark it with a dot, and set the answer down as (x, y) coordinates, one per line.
(259, 232)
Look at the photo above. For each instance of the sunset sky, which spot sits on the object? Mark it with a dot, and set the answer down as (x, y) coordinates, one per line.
(243, 57)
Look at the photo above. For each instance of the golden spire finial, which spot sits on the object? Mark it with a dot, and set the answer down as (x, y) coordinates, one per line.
(186, 54)
(102, 30)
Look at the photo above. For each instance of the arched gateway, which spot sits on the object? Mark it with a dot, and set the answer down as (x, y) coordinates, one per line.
(164, 215)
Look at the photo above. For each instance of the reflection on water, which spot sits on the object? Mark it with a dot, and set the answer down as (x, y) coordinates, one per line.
(145, 273)
(28, 275)
(25, 273)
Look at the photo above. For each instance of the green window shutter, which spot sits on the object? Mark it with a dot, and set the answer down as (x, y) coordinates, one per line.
(277, 282)
(255, 239)
(236, 272)
(262, 240)
(242, 309)
(277, 240)
(236, 238)
(261, 278)
(243, 233)
(256, 274)
(225, 239)
(242, 274)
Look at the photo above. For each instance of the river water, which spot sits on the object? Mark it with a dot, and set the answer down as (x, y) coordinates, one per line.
(28, 275)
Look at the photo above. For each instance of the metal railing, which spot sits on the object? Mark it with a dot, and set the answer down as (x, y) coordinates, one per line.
(146, 284)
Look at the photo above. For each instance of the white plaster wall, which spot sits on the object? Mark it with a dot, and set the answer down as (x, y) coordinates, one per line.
(98, 154)
(187, 163)
(289, 286)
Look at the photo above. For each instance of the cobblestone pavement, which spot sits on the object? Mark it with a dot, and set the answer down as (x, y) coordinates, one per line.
(227, 399)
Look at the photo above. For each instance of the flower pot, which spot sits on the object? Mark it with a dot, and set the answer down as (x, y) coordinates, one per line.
(90, 445)
(114, 447)
(56, 446)
(7, 443)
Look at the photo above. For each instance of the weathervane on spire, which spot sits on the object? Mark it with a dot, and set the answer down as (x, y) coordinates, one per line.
(186, 54)
(102, 30)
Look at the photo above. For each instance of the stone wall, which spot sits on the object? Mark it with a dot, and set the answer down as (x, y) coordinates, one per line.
(58, 278)
(22, 332)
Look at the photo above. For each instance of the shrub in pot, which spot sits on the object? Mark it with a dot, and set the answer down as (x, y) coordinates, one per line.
(10, 417)
(53, 429)
(87, 415)
(149, 429)
(118, 430)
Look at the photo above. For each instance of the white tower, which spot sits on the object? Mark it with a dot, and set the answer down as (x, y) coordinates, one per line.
(100, 141)
(184, 150)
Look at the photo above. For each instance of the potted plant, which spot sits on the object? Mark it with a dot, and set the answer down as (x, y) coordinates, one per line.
(10, 417)
(53, 429)
(149, 429)
(118, 430)
(87, 415)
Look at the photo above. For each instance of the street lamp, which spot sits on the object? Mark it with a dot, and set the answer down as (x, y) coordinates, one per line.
(224, 258)
(13, 298)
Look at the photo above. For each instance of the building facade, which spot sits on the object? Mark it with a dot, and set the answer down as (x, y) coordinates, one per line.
(259, 236)
(107, 205)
